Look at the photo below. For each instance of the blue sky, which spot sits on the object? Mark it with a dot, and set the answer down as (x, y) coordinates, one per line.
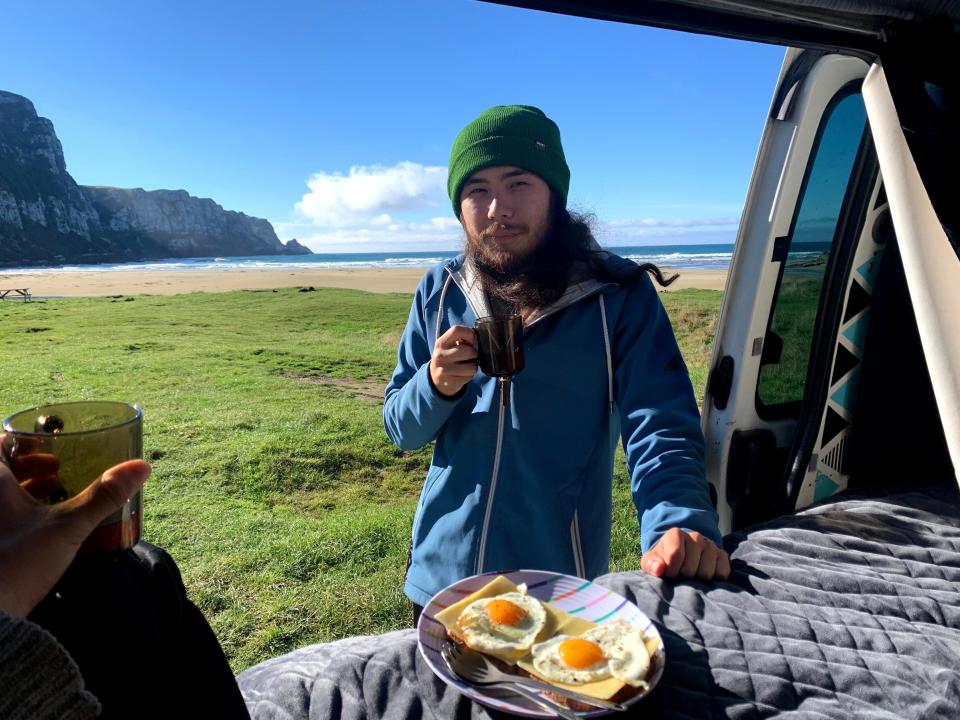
(334, 121)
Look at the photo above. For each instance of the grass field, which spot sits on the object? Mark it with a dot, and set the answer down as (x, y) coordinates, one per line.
(794, 320)
(274, 485)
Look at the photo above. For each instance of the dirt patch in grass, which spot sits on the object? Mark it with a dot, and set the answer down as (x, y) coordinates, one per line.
(369, 389)
(392, 338)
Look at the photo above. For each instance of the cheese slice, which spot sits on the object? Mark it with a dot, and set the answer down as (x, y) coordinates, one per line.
(498, 586)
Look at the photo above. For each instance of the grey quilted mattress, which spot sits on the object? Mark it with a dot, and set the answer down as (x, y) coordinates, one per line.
(847, 610)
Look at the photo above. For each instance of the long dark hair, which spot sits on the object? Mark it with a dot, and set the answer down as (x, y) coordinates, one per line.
(573, 230)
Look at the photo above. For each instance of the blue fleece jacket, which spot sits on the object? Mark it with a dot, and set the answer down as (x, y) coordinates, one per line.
(530, 487)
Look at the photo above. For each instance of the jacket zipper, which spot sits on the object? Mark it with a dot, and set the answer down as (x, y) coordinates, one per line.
(493, 488)
(574, 528)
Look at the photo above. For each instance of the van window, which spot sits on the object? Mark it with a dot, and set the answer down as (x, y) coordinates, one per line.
(810, 242)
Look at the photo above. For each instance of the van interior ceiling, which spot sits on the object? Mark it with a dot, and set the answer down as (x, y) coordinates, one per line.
(922, 68)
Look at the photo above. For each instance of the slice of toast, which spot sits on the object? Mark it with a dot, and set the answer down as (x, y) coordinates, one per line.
(558, 622)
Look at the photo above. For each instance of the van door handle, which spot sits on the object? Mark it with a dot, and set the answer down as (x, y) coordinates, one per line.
(721, 381)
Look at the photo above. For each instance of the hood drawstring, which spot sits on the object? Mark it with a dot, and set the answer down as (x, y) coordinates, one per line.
(606, 345)
(443, 295)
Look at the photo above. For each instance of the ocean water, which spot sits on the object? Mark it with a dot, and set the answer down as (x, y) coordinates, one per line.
(676, 257)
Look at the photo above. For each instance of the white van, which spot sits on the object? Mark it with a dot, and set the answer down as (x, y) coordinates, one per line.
(837, 356)
(832, 412)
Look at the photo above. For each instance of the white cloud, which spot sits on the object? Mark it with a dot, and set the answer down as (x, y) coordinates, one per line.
(445, 223)
(442, 224)
(399, 239)
(367, 194)
(383, 232)
(655, 230)
(443, 233)
(687, 223)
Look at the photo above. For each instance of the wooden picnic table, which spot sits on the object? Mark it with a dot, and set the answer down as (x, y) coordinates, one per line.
(16, 293)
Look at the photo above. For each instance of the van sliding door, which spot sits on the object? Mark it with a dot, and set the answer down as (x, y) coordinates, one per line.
(804, 197)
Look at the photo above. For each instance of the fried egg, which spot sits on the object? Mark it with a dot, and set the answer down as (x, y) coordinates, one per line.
(613, 650)
(503, 624)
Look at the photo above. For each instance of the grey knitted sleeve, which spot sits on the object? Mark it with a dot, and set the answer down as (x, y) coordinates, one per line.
(39, 678)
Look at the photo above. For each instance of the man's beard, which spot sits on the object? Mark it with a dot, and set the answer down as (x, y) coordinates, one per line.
(533, 279)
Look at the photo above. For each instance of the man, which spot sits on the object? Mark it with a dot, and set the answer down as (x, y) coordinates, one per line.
(528, 485)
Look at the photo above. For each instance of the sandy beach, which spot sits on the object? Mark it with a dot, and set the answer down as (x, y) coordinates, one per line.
(173, 282)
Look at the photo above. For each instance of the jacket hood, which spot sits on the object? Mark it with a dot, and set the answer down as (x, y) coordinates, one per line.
(580, 285)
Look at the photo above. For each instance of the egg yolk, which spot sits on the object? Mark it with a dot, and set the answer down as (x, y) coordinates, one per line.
(504, 612)
(580, 654)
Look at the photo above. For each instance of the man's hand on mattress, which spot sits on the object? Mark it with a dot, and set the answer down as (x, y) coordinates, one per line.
(682, 554)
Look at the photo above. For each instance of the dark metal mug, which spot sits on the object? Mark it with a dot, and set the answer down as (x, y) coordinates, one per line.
(500, 345)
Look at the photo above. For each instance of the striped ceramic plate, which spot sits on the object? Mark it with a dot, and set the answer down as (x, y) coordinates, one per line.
(574, 595)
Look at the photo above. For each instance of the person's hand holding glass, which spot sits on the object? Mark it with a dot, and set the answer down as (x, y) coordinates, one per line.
(59, 450)
(38, 541)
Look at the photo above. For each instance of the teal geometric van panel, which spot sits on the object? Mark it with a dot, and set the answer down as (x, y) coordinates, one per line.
(829, 473)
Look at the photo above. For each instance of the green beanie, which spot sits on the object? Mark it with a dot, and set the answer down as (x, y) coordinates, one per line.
(518, 135)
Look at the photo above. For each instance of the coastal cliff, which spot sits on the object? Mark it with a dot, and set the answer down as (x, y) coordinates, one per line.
(185, 226)
(47, 218)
